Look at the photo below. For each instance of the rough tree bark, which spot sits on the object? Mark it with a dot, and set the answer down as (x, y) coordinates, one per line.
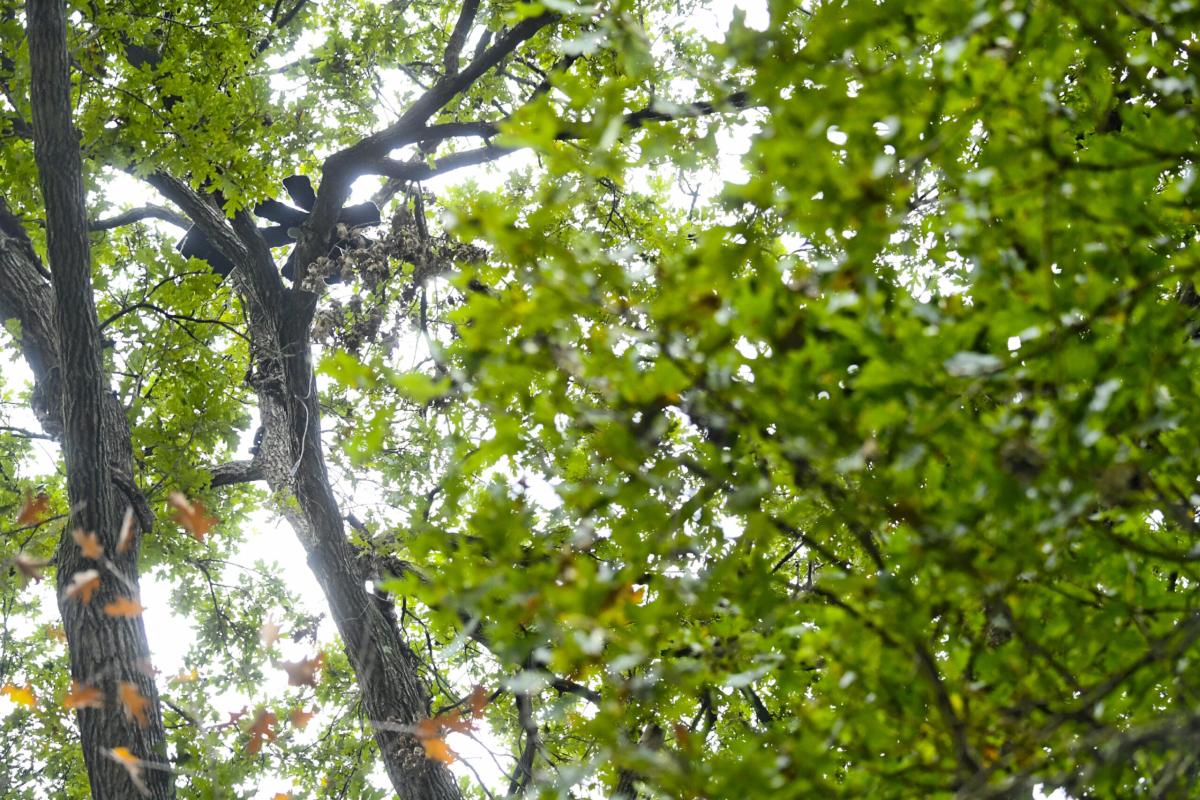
(109, 652)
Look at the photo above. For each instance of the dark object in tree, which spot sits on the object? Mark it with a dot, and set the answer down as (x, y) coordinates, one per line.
(286, 231)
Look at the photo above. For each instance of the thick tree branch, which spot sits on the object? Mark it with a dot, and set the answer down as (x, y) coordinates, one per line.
(458, 37)
(419, 170)
(25, 296)
(24, 433)
(235, 472)
(149, 211)
(239, 241)
(343, 167)
(523, 774)
(280, 22)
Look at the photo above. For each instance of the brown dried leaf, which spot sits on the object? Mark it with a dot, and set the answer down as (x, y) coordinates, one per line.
(125, 539)
(83, 695)
(261, 729)
(191, 515)
(303, 673)
(83, 584)
(300, 718)
(30, 567)
(478, 701)
(33, 509)
(124, 607)
(89, 544)
(135, 705)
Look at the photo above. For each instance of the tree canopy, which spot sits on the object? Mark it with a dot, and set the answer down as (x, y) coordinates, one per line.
(783, 401)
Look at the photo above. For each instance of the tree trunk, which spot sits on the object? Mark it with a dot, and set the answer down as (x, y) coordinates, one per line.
(293, 463)
(109, 652)
(291, 459)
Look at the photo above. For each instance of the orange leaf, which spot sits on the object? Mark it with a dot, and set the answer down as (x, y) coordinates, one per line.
(428, 729)
(124, 607)
(20, 695)
(299, 718)
(268, 634)
(56, 633)
(303, 673)
(135, 705)
(30, 567)
(282, 796)
(126, 536)
(33, 509)
(261, 729)
(453, 720)
(88, 544)
(478, 701)
(191, 516)
(84, 583)
(132, 765)
(83, 695)
(124, 756)
(438, 750)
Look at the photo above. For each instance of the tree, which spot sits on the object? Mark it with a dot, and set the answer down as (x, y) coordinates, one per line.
(867, 474)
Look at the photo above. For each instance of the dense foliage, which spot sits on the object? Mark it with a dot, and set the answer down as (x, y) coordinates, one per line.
(861, 463)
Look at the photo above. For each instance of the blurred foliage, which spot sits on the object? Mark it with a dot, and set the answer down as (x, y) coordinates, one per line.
(868, 473)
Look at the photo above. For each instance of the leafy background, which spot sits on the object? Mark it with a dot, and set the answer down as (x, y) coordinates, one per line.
(866, 473)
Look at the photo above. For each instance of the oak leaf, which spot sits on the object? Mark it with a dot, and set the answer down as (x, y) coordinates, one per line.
(30, 567)
(84, 584)
(453, 720)
(135, 705)
(268, 634)
(132, 765)
(303, 673)
(300, 718)
(21, 695)
(261, 729)
(477, 701)
(125, 538)
(33, 508)
(191, 515)
(83, 695)
(124, 607)
(234, 718)
(89, 544)
(437, 749)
